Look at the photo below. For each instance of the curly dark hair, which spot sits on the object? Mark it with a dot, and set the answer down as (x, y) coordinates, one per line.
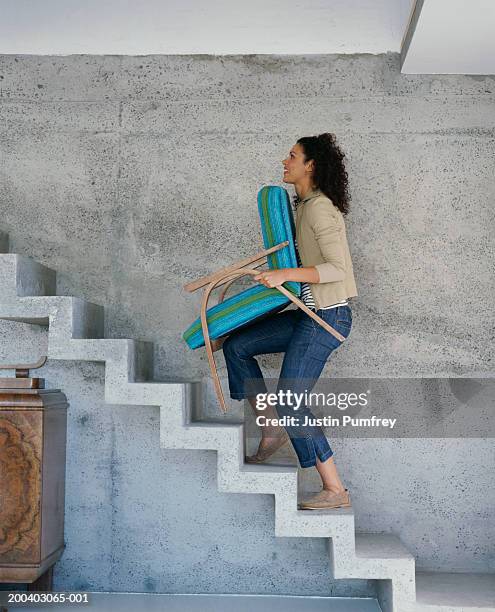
(330, 174)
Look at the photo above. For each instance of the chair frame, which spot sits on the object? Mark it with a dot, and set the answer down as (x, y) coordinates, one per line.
(227, 276)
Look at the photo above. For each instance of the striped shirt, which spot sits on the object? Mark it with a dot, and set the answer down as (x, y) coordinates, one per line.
(306, 295)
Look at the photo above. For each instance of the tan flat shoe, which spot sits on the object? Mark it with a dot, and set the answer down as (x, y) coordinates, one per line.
(326, 500)
(264, 453)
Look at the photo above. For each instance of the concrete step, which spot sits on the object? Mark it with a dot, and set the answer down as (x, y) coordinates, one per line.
(381, 546)
(71, 317)
(22, 276)
(385, 556)
(452, 592)
(382, 556)
(295, 523)
(268, 469)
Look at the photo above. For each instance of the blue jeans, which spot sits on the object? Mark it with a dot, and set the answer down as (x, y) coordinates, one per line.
(307, 347)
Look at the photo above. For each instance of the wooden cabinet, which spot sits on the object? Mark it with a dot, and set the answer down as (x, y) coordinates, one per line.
(33, 424)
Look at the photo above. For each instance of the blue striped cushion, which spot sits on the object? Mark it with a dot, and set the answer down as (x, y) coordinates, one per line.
(277, 225)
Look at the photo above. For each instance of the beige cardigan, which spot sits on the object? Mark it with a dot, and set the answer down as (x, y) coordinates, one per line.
(322, 243)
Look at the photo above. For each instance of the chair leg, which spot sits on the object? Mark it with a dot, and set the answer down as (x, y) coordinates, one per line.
(214, 374)
(209, 349)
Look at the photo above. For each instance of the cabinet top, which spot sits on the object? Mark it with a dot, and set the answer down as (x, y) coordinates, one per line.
(11, 382)
(31, 399)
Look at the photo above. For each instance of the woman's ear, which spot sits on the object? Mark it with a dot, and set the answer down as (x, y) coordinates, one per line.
(310, 165)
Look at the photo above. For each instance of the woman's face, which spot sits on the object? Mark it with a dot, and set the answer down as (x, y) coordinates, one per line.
(294, 167)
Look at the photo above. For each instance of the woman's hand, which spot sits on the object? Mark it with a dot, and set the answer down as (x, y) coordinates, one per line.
(271, 278)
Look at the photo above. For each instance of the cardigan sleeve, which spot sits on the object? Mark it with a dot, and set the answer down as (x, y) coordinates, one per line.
(328, 230)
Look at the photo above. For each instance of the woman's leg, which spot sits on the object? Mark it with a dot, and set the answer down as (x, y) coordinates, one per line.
(308, 350)
(269, 335)
(329, 475)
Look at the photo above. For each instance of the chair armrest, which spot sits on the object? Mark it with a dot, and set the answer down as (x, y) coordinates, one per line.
(228, 282)
(205, 280)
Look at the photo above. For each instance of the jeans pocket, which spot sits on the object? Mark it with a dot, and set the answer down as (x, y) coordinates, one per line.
(344, 327)
(344, 323)
(343, 317)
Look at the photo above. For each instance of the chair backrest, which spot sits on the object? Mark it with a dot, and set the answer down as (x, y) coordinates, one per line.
(277, 225)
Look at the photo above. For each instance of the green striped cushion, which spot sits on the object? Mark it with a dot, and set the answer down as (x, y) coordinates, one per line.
(277, 225)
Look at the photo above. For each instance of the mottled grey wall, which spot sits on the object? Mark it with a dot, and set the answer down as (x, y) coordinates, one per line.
(133, 175)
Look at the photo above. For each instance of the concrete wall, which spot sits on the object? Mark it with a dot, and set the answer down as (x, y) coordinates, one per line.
(132, 175)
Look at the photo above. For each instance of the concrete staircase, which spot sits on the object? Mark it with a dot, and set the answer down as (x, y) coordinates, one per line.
(28, 294)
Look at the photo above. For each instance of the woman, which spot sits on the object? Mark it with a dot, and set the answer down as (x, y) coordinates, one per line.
(315, 166)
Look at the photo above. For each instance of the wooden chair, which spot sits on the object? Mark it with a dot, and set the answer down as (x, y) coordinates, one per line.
(217, 322)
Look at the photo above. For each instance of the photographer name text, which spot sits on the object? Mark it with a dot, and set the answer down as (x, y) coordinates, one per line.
(326, 421)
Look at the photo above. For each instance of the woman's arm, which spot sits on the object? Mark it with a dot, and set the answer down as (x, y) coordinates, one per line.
(271, 278)
(328, 230)
(302, 275)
